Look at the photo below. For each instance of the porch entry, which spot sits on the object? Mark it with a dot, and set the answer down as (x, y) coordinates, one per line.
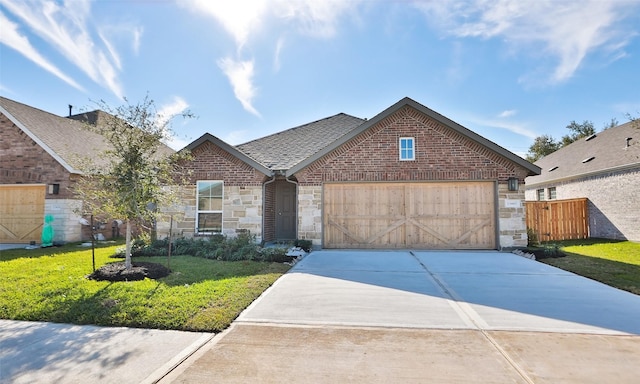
(285, 210)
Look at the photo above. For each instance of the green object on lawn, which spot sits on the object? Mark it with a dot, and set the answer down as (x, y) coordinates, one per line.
(47, 232)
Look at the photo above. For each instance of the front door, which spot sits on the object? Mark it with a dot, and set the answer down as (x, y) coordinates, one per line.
(285, 210)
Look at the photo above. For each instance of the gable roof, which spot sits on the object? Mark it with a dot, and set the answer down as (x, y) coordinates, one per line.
(66, 140)
(207, 137)
(605, 151)
(533, 169)
(283, 150)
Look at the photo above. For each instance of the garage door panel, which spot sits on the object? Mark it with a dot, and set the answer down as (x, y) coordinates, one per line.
(21, 212)
(410, 215)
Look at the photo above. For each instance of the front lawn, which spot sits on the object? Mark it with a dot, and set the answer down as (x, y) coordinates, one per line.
(615, 263)
(199, 295)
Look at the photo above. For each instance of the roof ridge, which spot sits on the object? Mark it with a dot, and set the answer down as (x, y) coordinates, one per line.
(33, 108)
(300, 126)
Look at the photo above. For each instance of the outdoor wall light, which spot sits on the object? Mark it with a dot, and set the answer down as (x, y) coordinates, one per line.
(512, 183)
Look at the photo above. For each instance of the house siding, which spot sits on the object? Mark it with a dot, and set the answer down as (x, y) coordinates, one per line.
(441, 154)
(613, 213)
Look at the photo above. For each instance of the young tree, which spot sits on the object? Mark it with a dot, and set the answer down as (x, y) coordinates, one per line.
(542, 146)
(137, 172)
(578, 131)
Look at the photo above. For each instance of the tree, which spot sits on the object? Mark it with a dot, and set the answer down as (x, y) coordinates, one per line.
(612, 124)
(579, 131)
(546, 144)
(137, 172)
(541, 147)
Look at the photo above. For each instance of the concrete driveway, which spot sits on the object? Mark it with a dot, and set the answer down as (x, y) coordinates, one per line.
(379, 317)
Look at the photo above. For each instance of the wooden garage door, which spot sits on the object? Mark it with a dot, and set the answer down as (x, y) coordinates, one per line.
(21, 213)
(457, 215)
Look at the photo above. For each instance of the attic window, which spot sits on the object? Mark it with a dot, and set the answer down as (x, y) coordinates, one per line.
(553, 168)
(590, 137)
(407, 149)
(588, 159)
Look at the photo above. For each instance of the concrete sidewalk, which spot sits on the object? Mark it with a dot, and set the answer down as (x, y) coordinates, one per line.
(35, 352)
(379, 317)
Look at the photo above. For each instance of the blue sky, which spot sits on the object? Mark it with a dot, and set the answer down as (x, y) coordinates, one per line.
(509, 70)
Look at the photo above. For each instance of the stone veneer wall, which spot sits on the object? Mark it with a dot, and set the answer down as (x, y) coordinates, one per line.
(511, 218)
(242, 210)
(66, 225)
(310, 213)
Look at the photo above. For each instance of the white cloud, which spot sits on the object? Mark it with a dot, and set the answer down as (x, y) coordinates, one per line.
(244, 19)
(172, 109)
(567, 31)
(507, 113)
(65, 27)
(240, 74)
(517, 128)
(239, 18)
(276, 55)
(11, 37)
(165, 114)
(315, 18)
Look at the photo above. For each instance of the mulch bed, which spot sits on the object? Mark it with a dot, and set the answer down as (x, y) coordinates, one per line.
(139, 270)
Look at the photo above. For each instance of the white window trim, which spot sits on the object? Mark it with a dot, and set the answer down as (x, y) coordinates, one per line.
(413, 148)
(198, 211)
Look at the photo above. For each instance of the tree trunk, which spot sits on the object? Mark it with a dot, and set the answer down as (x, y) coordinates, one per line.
(127, 258)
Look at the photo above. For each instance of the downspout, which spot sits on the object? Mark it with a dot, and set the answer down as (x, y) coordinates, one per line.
(296, 184)
(264, 204)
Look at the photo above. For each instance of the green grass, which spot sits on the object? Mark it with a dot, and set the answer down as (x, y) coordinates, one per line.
(615, 263)
(200, 294)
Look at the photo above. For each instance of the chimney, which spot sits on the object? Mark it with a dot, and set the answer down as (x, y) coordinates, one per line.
(70, 108)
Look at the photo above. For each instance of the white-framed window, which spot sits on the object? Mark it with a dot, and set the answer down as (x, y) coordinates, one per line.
(552, 193)
(407, 148)
(540, 194)
(209, 197)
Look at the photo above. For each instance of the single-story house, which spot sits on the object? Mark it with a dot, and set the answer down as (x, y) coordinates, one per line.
(605, 169)
(41, 155)
(407, 178)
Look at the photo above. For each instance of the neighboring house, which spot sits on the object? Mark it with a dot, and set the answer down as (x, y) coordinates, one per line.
(407, 178)
(41, 155)
(605, 168)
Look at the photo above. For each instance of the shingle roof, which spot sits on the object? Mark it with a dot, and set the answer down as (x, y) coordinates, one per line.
(67, 140)
(607, 152)
(285, 149)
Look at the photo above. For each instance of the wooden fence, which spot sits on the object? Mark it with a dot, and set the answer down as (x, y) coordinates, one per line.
(558, 219)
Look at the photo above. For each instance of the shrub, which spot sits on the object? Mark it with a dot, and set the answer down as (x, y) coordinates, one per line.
(217, 247)
(304, 244)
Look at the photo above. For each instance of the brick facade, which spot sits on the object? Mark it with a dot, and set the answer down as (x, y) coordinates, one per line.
(213, 163)
(242, 204)
(613, 197)
(441, 154)
(23, 161)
